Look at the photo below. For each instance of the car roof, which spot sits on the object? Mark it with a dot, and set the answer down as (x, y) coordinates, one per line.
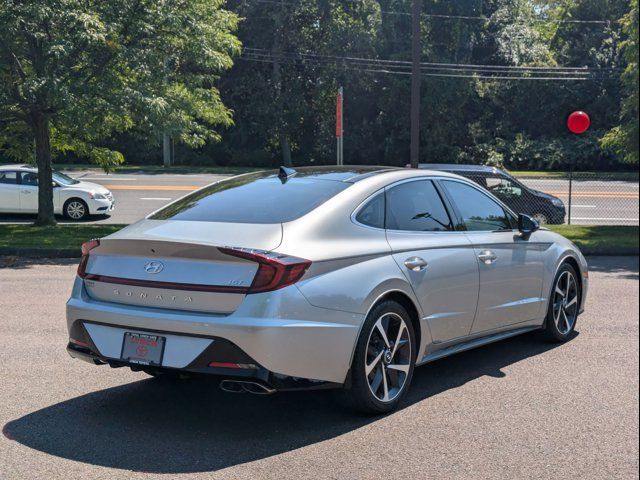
(17, 166)
(454, 167)
(339, 173)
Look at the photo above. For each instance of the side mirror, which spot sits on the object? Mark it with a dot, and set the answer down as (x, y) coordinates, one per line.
(527, 225)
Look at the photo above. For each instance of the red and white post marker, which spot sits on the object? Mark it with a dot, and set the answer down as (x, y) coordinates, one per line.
(339, 129)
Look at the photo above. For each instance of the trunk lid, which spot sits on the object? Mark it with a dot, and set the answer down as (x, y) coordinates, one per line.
(177, 264)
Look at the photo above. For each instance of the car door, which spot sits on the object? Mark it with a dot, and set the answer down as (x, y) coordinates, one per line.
(511, 267)
(9, 191)
(438, 262)
(28, 192)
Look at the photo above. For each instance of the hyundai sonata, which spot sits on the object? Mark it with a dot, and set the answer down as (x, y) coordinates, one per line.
(323, 277)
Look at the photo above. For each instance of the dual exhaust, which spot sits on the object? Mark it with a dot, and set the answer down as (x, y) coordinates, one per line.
(241, 386)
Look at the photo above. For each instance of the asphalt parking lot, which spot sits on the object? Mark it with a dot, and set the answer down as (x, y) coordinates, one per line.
(517, 409)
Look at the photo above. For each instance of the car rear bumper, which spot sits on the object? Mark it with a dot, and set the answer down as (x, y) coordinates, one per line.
(280, 332)
(220, 360)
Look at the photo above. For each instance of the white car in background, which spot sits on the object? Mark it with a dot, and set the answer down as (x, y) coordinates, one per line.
(74, 199)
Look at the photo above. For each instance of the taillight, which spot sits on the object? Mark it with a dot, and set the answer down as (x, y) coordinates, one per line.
(275, 270)
(86, 248)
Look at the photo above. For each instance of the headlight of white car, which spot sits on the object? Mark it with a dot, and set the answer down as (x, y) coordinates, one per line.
(98, 196)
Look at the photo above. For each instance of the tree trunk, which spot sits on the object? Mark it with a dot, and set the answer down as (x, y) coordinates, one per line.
(43, 159)
(286, 151)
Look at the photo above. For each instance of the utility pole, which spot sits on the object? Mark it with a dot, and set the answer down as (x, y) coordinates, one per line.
(167, 150)
(416, 49)
(339, 129)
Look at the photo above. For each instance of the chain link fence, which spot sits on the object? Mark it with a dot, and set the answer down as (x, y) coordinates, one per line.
(591, 198)
(566, 198)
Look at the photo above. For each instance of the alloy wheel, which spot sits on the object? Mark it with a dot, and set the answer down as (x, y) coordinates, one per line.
(388, 357)
(76, 210)
(565, 302)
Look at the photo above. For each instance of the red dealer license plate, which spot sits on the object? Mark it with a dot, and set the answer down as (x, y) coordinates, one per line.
(142, 348)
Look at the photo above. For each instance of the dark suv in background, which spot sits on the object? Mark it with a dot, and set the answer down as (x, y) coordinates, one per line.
(543, 207)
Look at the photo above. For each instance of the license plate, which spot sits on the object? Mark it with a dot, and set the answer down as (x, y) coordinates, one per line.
(142, 348)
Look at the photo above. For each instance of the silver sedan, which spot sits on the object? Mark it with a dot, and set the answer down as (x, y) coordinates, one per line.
(321, 277)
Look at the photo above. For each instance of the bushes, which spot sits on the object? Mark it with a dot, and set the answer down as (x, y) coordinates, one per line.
(545, 153)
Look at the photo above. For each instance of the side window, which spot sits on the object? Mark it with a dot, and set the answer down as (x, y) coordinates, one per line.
(10, 178)
(503, 187)
(417, 207)
(479, 212)
(29, 178)
(372, 214)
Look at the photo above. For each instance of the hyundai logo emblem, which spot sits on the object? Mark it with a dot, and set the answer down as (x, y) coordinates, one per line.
(154, 267)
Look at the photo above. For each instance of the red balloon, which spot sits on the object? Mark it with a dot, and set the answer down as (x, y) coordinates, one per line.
(578, 122)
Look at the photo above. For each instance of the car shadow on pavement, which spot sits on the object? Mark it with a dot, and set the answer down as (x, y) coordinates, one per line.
(162, 427)
(621, 267)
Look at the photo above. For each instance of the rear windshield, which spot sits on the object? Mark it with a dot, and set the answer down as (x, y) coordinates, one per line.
(253, 198)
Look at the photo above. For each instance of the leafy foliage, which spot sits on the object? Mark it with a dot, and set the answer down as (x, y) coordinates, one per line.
(76, 71)
(159, 64)
(624, 138)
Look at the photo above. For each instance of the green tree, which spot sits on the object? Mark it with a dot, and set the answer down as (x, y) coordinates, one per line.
(75, 71)
(624, 138)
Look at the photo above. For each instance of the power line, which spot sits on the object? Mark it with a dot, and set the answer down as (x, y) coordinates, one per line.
(403, 64)
(400, 68)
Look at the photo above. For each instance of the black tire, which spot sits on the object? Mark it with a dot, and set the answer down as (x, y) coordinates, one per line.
(541, 218)
(76, 209)
(385, 374)
(564, 305)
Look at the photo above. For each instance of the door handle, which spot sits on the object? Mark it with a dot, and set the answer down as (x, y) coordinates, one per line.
(26, 191)
(415, 264)
(487, 257)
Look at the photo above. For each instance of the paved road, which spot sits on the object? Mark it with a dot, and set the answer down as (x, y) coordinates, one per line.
(516, 409)
(138, 194)
(595, 202)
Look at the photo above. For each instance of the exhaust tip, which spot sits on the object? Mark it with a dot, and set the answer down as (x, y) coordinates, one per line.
(239, 386)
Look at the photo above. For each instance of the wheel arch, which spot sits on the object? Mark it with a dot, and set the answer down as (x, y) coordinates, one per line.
(575, 264)
(408, 303)
(571, 260)
(72, 198)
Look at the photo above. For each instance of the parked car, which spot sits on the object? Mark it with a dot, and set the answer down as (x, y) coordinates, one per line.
(342, 277)
(74, 199)
(544, 208)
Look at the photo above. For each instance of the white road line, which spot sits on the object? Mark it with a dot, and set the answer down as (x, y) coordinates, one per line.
(109, 178)
(155, 198)
(607, 219)
(583, 206)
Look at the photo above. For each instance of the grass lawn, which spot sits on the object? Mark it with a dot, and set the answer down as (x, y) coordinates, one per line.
(629, 176)
(60, 236)
(601, 240)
